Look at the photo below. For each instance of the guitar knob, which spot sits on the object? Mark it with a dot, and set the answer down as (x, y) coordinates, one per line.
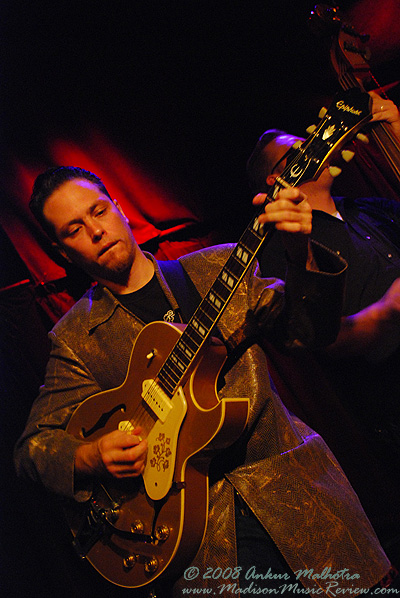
(363, 138)
(113, 515)
(347, 155)
(311, 129)
(129, 562)
(151, 565)
(137, 527)
(297, 144)
(334, 171)
(162, 533)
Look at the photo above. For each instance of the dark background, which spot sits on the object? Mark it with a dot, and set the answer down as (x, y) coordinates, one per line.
(183, 89)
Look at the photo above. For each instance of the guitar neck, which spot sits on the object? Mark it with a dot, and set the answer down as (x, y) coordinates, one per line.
(212, 307)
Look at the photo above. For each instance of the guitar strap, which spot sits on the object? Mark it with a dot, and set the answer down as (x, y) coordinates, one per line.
(182, 287)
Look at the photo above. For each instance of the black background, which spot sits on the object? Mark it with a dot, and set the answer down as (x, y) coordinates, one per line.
(183, 88)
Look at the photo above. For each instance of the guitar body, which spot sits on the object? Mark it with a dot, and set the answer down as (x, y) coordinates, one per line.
(158, 520)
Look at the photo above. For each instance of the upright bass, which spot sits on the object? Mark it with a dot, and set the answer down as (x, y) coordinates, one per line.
(349, 54)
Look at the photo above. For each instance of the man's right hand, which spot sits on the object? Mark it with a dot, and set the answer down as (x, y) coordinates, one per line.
(384, 109)
(118, 454)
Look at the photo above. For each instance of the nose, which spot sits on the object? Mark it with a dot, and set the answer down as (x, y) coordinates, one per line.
(96, 232)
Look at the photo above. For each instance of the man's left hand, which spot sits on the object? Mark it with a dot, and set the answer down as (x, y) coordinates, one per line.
(292, 214)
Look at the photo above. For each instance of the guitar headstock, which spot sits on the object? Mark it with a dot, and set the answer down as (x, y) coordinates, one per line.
(347, 114)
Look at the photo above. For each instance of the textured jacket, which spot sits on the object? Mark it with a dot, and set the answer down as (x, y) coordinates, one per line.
(283, 470)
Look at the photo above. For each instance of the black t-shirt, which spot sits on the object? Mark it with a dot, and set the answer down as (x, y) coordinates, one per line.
(149, 303)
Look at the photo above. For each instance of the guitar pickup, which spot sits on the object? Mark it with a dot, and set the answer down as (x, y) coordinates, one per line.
(156, 399)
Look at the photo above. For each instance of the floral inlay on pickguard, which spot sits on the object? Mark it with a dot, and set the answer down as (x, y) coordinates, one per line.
(161, 453)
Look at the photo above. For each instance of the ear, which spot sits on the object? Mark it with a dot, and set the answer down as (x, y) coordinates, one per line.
(115, 202)
(271, 178)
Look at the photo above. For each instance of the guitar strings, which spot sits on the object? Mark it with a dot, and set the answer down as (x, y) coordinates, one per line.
(140, 416)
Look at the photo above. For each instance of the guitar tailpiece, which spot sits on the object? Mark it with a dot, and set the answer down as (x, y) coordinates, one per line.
(90, 531)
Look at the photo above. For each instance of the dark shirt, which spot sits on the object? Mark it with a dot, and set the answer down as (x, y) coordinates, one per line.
(368, 238)
(148, 303)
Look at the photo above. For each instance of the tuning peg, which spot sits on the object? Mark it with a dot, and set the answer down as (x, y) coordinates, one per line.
(322, 112)
(334, 171)
(311, 129)
(347, 155)
(297, 144)
(363, 138)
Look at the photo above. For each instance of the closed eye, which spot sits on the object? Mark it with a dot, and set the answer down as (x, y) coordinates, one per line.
(100, 212)
(72, 232)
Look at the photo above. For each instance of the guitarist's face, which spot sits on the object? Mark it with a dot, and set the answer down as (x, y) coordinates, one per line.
(275, 155)
(275, 158)
(91, 230)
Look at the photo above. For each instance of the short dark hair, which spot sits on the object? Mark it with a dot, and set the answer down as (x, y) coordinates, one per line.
(258, 166)
(48, 182)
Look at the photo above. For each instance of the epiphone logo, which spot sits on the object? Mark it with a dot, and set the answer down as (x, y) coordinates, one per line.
(346, 108)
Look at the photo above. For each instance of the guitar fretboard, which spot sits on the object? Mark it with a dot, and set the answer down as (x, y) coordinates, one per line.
(211, 307)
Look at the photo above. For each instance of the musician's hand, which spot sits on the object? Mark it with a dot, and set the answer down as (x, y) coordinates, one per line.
(385, 110)
(119, 454)
(292, 214)
(290, 211)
